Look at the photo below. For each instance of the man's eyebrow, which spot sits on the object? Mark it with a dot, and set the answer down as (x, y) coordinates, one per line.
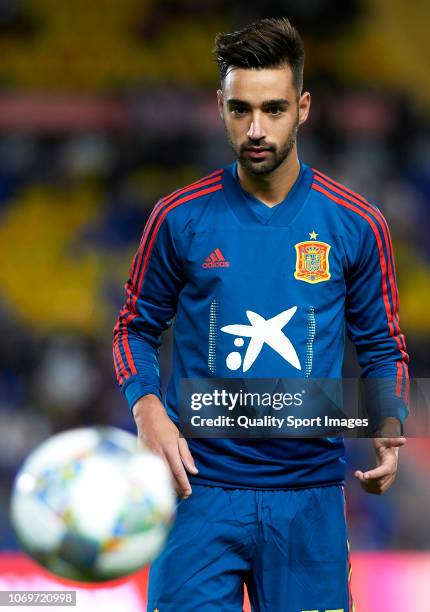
(276, 102)
(265, 104)
(237, 102)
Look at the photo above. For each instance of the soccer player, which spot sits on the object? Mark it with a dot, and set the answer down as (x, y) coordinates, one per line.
(264, 263)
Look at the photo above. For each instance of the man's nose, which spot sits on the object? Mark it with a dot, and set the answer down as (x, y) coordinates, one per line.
(256, 130)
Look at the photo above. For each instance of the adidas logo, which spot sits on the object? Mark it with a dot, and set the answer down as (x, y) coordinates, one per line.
(216, 260)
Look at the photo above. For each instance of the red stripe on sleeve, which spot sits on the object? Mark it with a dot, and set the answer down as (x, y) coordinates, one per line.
(399, 379)
(193, 185)
(161, 204)
(161, 218)
(382, 261)
(365, 205)
(128, 353)
(161, 213)
(407, 385)
(356, 195)
(115, 360)
(361, 201)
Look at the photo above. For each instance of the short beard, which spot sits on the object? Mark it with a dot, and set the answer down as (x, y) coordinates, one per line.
(277, 157)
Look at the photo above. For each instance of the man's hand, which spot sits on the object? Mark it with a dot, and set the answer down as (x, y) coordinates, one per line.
(160, 435)
(378, 480)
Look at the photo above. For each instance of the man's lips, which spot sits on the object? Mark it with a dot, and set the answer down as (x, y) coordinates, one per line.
(257, 149)
(257, 152)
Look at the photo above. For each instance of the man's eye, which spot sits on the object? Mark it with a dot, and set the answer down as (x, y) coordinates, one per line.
(275, 111)
(239, 111)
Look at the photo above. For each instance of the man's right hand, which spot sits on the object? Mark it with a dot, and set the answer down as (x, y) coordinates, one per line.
(161, 436)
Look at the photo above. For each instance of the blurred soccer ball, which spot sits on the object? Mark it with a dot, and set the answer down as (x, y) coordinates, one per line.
(88, 505)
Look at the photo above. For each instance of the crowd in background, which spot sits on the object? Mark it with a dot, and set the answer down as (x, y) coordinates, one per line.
(90, 145)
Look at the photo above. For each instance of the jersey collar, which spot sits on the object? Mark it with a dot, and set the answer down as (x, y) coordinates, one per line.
(250, 210)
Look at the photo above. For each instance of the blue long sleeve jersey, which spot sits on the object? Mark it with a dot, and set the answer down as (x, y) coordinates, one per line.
(215, 256)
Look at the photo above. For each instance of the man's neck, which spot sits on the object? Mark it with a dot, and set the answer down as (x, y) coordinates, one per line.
(271, 188)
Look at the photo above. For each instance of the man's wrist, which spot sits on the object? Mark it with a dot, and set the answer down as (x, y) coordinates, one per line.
(145, 403)
(391, 427)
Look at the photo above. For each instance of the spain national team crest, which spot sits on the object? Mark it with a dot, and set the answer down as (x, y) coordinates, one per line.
(312, 264)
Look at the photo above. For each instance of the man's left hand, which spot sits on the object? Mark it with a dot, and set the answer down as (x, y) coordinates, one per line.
(378, 480)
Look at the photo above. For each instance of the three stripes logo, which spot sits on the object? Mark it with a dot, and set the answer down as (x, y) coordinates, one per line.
(216, 260)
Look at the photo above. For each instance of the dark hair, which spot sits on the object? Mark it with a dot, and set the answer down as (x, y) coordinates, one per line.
(267, 43)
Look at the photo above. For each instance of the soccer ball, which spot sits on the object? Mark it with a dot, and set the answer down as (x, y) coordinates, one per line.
(90, 506)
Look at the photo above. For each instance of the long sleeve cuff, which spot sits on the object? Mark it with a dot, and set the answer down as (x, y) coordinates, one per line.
(134, 389)
(381, 401)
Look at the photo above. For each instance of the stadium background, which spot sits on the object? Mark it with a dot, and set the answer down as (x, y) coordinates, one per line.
(107, 105)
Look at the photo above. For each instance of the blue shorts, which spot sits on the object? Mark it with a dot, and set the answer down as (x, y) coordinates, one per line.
(289, 547)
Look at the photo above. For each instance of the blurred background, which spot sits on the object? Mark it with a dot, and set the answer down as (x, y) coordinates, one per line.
(107, 105)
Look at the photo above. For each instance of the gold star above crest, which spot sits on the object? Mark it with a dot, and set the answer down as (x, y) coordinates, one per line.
(313, 235)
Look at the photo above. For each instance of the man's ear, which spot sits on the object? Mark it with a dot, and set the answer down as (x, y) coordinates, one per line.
(220, 102)
(304, 106)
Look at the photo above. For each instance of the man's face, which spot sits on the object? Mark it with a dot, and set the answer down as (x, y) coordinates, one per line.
(261, 111)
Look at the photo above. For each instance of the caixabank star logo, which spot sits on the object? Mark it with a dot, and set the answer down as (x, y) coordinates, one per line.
(261, 332)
